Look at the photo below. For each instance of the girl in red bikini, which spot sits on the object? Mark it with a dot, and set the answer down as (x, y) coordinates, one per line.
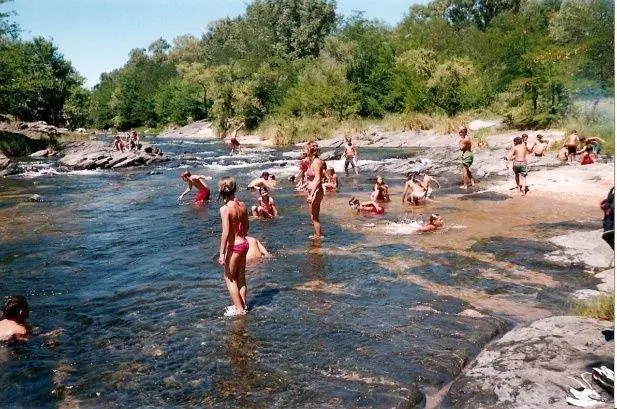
(234, 245)
(265, 205)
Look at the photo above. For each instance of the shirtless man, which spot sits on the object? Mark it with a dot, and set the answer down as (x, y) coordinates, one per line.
(418, 187)
(464, 144)
(199, 181)
(263, 181)
(256, 250)
(15, 312)
(519, 155)
(351, 156)
(572, 145)
(540, 147)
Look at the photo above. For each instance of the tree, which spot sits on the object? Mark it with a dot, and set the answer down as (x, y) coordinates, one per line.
(77, 108)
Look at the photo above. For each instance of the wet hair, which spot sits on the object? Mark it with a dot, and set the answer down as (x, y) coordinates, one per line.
(265, 175)
(354, 202)
(463, 129)
(14, 306)
(524, 136)
(539, 137)
(272, 177)
(433, 217)
(349, 142)
(292, 178)
(263, 189)
(185, 174)
(227, 187)
(330, 172)
(518, 140)
(380, 177)
(312, 148)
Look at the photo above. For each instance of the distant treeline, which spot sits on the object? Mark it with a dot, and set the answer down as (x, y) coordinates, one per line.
(282, 59)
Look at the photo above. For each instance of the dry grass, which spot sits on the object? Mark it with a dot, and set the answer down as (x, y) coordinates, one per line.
(602, 308)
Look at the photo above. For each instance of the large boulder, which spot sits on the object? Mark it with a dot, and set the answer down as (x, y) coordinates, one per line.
(101, 155)
(529, 366)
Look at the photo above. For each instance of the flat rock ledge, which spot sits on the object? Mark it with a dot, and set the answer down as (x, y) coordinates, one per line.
(100, 155)
(529, 366)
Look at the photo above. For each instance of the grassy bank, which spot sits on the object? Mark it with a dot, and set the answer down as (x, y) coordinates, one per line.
(602, 308)
(14, 144)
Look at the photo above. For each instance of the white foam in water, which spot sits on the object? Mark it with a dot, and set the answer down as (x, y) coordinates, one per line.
(54, 172)
(403, 227)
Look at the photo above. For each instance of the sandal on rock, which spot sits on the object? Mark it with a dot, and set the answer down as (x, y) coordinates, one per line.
(584, 396)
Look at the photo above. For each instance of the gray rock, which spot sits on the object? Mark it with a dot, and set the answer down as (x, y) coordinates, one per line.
(585, 248)
(608, 281)
(528, 367)
(586, 294)
(35, 198)
(40, 154)
(100, 155)
(4, 161)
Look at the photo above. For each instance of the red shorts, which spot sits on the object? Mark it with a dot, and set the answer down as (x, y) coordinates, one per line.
(203, 195)
(381, 210)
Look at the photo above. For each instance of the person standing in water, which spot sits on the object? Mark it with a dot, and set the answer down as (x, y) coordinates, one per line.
(519, 155)
(198, 181)
(351, 156)
(234, 245)
(464, 144)
(315, 175)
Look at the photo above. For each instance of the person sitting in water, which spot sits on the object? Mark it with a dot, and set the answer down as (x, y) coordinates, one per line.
(380, 191)
(198, 181)
(370, 206)
(540, 146)
(562, 154)
(15, 312)
(589, 156)
(257, 250)
(417, 191)
(331, 183)
(434, 222)
(265, 205)
(262, 181)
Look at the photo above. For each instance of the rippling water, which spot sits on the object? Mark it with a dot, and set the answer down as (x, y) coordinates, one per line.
(127, 300)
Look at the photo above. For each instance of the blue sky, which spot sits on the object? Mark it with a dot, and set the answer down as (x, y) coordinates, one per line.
(97, 35)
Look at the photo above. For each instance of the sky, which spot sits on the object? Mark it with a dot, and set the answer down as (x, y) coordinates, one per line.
(97, 35)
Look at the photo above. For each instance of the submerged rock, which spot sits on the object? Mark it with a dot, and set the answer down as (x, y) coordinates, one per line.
(101, 155)
(35, 198)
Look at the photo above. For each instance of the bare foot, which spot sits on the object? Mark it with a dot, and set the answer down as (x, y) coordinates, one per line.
(463, 186)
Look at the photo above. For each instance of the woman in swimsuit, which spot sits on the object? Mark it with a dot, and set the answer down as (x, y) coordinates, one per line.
(372, 206)
(380, 192)
(331, 183)
(234, 245)
(315, 174)
(265, 205)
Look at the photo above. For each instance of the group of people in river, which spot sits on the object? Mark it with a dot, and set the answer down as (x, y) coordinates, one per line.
(130, 141)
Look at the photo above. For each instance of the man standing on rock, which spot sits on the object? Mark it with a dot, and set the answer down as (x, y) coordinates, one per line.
(198, 181)
(572, 145)
(464, 144)
(519, 155)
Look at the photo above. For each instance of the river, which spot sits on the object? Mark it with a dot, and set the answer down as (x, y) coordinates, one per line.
(127, 299)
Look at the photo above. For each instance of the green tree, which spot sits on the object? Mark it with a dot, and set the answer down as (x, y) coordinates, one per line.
(77, 109)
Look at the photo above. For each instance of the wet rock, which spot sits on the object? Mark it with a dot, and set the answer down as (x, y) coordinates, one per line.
(4, 161)
(608, 281)
(331, 155)
(586, 294)
(529, 366)
(35, 198)
(42, 153)
(100, 155)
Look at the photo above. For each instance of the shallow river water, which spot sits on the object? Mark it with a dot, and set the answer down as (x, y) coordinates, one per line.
(127, 300)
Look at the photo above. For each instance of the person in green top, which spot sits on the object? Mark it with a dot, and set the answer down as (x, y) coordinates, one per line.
(464, 144)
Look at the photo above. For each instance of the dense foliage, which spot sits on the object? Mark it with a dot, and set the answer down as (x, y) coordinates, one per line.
(286, 60)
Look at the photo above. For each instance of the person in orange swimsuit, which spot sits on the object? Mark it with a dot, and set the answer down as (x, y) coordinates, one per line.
(234, 245)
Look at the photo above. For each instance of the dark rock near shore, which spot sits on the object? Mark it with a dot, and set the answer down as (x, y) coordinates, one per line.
(100, 155)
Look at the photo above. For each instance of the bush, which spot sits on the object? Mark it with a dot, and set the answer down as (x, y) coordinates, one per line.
(601, 308)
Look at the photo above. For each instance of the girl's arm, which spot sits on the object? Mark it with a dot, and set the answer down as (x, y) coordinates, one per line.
(276, 212)
(224, 234)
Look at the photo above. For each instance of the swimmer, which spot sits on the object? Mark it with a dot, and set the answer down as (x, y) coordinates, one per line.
(434, 222)
(331, 183)
(234, 245)
(419, 186)
(265, 205)
(15, 313)
(370, 206)
(262, 181)
(380, 191)
(198, 181)
(257, 250)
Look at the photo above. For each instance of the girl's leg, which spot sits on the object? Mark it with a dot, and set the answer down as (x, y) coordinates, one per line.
(315, 208)
(231, 279)
(242, 278)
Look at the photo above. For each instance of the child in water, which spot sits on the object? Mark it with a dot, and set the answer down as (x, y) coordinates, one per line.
(372, 206)
(434, 222)
(265, 205)
(380, 191)
(331, 183)
(15, 313)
